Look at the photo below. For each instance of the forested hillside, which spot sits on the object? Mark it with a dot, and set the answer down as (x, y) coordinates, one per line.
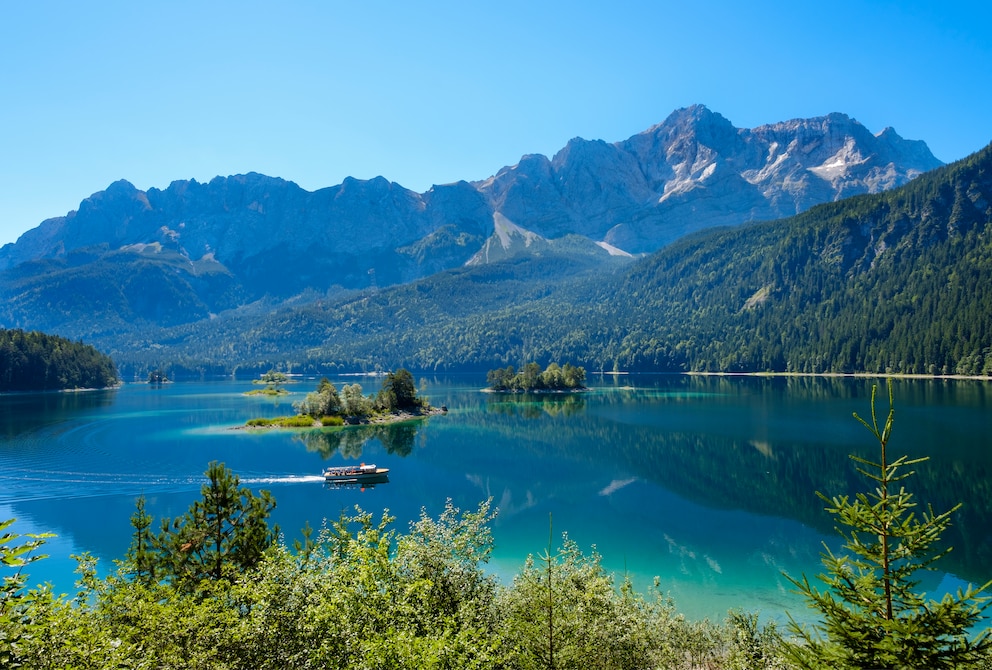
(458, 319)
(894, 282)
(33, 361)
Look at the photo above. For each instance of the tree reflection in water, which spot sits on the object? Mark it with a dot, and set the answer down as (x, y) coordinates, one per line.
(536, 405)
(398, 439)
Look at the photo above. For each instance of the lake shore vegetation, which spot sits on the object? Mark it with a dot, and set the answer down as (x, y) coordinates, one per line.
(35, 361)
(215, 589)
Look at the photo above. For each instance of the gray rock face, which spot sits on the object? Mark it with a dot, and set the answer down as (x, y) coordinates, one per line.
(273, 235)
(696, 170)
(237, 239)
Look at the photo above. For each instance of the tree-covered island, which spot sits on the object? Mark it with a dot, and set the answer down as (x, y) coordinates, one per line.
(396, 400)
(531, 378)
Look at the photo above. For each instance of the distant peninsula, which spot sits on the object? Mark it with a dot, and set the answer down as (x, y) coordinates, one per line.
(532, 379)
(35, 361)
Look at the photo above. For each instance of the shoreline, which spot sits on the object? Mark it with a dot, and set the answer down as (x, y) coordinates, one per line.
(535, 391)
(852, 375)
(87, 389)
(382, 419)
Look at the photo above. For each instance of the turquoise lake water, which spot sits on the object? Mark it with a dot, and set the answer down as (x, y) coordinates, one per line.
(705, 482)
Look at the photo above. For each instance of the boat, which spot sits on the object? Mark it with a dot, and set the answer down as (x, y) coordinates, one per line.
(355, 474)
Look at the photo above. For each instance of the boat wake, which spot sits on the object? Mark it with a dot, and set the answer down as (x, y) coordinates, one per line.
(33, 484)
(288, 479)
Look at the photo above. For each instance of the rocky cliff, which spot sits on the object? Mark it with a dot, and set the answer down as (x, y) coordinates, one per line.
(696, 170)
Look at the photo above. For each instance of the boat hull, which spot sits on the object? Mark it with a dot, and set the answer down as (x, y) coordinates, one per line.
(356, 475)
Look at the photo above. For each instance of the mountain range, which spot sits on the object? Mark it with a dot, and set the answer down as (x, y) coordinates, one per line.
(149, 272)
(893, 282)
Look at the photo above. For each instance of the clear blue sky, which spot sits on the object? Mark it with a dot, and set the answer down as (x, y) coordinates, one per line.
(430, 92)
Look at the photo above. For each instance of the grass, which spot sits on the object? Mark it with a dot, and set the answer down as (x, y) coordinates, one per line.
(267, 391)
(300, 421)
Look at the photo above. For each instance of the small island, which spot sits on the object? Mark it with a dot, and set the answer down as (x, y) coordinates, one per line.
(397, 400)
(532, 379)
(158, 376)
(273, 381)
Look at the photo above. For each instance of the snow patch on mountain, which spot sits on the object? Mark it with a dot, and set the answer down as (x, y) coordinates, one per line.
(838, 165)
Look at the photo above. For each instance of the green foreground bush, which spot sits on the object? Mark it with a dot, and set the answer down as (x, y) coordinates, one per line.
(359, 594)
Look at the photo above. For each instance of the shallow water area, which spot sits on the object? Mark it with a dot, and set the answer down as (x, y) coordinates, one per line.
(704, 482)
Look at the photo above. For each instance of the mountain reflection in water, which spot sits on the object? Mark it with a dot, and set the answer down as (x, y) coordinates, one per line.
(707, 482)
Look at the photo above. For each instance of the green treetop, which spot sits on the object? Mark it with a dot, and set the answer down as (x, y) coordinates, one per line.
(223, 534)
(532, 378)
(398, 392)
(873, 615)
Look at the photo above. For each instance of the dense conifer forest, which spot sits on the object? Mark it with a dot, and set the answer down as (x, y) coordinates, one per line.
(33, 361)
(896, 282)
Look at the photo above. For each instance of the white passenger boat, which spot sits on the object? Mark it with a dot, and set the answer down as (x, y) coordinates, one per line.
(354, 474)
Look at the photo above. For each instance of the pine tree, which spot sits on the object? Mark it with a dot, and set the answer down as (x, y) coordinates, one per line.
(872, 614)
(141, 554)
(398, 391)
(224, 533)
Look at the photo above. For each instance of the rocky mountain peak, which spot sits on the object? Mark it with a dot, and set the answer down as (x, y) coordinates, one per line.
(690, 127)
(698, 117)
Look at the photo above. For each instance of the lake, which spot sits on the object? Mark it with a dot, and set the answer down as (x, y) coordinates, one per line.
(705, 482)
